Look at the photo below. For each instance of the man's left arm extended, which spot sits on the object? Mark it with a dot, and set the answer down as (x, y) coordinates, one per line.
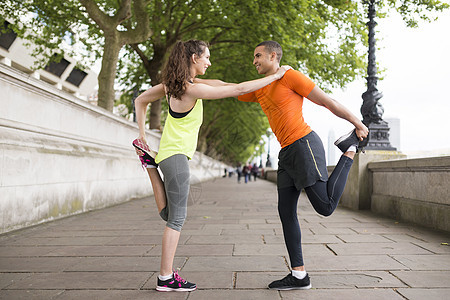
(321, 98)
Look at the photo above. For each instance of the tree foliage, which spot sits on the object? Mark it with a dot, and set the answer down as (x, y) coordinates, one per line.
(325, 39)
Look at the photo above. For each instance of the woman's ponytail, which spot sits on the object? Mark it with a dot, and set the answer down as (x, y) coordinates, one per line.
(176, 72)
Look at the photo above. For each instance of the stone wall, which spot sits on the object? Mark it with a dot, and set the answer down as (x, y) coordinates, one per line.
(59, 155)
(413, 190)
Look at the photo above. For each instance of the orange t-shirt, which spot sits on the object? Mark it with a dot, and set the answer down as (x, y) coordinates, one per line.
(282, 102)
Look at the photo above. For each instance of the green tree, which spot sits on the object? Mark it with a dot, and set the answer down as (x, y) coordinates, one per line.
(49, 24)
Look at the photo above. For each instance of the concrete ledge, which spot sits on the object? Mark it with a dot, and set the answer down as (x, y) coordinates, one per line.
(435, 164)
(414, 211)
(358, 190)
(413, 190)
(270, 175)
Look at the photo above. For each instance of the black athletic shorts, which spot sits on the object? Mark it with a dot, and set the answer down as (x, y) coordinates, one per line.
(302, 163)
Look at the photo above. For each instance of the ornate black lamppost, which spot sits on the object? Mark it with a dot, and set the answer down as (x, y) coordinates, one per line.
(371, 109)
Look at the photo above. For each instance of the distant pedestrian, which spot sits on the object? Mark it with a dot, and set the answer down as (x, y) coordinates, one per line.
(246, 173)
(230, 171)
(255, 171)
(239, 172)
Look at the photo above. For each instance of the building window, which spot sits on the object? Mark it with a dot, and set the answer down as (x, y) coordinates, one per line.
(57, 68)
(7, 38)
(76, 76)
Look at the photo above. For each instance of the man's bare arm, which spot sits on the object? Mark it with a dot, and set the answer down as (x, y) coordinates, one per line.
(321, 98)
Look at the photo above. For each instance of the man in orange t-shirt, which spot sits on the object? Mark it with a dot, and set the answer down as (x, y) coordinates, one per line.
(302, 162)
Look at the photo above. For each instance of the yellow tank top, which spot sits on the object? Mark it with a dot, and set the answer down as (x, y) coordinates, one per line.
(180, 134)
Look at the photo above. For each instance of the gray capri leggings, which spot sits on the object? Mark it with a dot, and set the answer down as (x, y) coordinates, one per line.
(176, 183)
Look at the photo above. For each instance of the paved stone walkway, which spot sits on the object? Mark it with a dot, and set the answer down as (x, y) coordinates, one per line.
(231, 246)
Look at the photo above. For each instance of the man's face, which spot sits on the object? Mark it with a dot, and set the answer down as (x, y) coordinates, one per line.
(263, 61)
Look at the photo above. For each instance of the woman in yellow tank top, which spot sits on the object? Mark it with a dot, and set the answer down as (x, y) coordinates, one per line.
(183, 92)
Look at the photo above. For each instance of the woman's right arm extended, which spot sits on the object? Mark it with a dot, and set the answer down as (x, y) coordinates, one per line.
(141, 103)
(205, 91)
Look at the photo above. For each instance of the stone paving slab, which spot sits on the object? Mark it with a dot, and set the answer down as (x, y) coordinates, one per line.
(428, 294)
(82, 280)
(306, 239)
(232, 246)
(235, 263)
(363, 238)
(100, 251)
(277, 249)
(347, 294)
(30, 294)
(235, 294)
(352, 263)
(12, 251)
(225, 239)
(323, 280)
(437, 248)
(425, 262)
(121, 264)
(36, 264)
(63, 241)
(142, 240)
(424, 279)
(377, 248)
(119, 294)
(196, 250)
(6, 279)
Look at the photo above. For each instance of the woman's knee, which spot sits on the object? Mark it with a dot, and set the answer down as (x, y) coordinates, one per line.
(176, 223)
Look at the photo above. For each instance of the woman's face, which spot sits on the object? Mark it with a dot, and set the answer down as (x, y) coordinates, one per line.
(202, 63)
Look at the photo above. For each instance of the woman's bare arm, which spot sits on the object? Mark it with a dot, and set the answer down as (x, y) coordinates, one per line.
(141, 103)
(205, 91)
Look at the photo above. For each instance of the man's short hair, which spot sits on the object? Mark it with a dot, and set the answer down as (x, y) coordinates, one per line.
(272, 46)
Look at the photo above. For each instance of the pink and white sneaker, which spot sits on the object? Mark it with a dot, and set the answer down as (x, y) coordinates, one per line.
(148, 159)
(175, 284)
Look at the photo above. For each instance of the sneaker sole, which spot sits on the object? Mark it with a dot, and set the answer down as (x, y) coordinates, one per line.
(148, 151)
(168, 289)
(292, 288)
(344, 137)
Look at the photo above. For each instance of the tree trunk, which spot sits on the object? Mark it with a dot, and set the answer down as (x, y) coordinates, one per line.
(108, 71)
(152, 69)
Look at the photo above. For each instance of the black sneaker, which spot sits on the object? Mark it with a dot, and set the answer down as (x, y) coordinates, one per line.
(345, 141)
(291, 282)
(175, 284)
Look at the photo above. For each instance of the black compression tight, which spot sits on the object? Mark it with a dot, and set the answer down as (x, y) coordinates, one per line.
(324, 197)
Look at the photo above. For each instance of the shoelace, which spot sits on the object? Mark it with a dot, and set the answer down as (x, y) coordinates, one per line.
(178, 277)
